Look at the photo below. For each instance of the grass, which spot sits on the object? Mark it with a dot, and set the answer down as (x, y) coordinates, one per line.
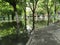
(40, 24)
(8, 34)
(7, 28)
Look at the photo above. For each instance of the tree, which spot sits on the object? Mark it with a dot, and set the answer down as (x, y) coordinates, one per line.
(32, 5)
(14, 3)
(25, 15)
(6, 9)
(23, 5)
(24, 8)
(55, 2)
(47, 5)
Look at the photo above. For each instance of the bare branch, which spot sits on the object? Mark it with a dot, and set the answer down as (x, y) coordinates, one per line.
(36, 4)
(30, 6)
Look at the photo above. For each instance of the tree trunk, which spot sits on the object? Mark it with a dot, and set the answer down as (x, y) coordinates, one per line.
(48, 18)
(8, 17)
(48, 14)
(13, 16)
(33, 20)
(3, 17)
(17, 21)
(55, 11)
(25, 15)
(33, 16)
(25, 19)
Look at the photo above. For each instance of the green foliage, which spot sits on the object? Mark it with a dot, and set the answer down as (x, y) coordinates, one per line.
(10, 30)
(11, 1)
(39, 6)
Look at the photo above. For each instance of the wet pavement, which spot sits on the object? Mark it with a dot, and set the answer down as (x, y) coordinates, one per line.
(49, 35)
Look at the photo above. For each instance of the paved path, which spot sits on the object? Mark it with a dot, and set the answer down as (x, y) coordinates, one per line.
(46, 36)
